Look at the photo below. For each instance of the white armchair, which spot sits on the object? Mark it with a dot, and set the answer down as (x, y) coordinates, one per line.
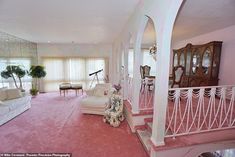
(97, 99)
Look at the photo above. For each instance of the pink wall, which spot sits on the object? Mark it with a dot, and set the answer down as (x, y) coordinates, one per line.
(227, 35)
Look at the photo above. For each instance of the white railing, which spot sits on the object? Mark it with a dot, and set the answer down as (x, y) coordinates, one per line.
(130, 90)
(200, 109)
(146, 98)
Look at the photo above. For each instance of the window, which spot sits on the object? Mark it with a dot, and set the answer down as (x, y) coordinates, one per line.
(25, 63)
(148, 60)
(74, 70)
(55, 73)
(93, 65)
(130, 62)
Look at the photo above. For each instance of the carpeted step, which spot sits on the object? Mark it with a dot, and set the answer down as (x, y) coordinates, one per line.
(149, 126)
(148, 120)
(144, 137)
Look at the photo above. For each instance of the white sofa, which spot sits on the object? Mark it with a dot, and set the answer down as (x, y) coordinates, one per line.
(97, 99)
(12, 104)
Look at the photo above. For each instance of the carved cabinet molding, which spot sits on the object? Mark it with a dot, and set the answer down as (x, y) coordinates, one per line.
(201, 63)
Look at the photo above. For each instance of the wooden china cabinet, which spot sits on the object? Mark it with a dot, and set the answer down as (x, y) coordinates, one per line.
(201, 64)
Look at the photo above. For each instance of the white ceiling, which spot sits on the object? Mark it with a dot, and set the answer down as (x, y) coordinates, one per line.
(64, 21)
(100, 21)
(198, 17)
(149, 37)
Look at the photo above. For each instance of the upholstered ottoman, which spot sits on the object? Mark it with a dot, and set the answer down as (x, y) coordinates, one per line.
(67, 86)
(77, 87)
(64, 87)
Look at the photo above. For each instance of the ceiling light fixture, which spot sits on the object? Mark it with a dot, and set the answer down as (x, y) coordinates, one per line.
(153, 51)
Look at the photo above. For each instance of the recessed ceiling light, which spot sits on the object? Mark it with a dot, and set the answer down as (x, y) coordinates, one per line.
(48, 41)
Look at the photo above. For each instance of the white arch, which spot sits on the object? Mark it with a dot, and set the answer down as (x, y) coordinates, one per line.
(126, 72)
(137, 62)
(163, 27)
(163, 15)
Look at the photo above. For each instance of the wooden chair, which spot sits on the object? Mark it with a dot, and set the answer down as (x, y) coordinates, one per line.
(145, 71)
(178, 73)
(142, 78)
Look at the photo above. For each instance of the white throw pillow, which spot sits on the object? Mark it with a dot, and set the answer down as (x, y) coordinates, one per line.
(99, 92)
(3, 95)
(13, 93)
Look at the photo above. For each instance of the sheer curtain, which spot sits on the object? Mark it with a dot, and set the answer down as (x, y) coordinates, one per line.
(77, 71)
(74, 70)
(55, 69)
(93, 65)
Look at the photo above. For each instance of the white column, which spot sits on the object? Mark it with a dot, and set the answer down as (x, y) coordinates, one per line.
(121, 70)
(117, 64)
(126, 51)
(136, 77)
(111, 67)
(161, 87)
(114, 62)
(164, 34)
(136, 68)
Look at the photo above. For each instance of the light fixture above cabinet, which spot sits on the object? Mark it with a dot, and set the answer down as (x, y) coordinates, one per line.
(153, 51)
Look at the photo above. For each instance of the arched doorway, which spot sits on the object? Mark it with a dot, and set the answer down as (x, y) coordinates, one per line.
(148, 66)
(129, 56)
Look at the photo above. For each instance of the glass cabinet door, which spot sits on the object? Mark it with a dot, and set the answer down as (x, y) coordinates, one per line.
(175, 59)
(215, 65)
(206, 61)
(188, 61)
(182, 59)
(195, 63)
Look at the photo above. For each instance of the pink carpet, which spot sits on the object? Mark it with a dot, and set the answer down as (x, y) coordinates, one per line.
(55, 124)
(146, 100)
